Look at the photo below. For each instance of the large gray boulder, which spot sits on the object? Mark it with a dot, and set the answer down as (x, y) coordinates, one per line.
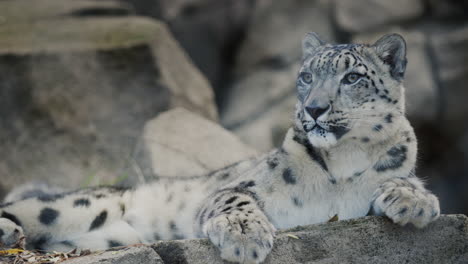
(209, 30)
(179, 143)
(75, 97)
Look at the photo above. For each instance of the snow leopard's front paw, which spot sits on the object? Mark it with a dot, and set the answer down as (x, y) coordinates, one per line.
(241, 236)
(407, 204)
(11, 234)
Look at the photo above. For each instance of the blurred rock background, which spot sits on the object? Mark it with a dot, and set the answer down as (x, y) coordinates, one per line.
(82, 83)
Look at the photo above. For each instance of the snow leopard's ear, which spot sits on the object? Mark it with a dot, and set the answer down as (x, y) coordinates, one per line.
(391, 49)
(311, 42)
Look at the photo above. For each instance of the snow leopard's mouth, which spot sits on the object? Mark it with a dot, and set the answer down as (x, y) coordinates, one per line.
(314, 128)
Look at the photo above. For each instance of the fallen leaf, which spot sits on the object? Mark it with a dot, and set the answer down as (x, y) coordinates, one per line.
(334, 218)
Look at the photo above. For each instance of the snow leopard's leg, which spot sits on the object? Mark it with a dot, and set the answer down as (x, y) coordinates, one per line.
(52, 219)
(233, 220)
(405, 200)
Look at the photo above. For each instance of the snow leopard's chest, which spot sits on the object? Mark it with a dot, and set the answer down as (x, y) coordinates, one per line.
(346, 200)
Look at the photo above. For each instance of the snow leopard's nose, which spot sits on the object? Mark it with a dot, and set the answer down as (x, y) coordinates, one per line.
(316, 111)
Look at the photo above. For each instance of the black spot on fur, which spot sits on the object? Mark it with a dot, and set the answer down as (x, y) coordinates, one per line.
(255, 254)
(297, 202)
(98, 221)
(211, 214)
(246, 184)
(224, 176)
(357, 174)
(122, 208)
(288, 176)
(378, 127)
(421, 212)
(339, 131)
(403, 211)
(396, 157)
(50, 197)
(114, 243)
(237, 252)
(81, 202)
(242, 203)
(48, 216)
(230, 200)
(11, 217)
(388, 198)
(1, 232)
(172, 225)
(226, 209)
(272, 162)
(202, 216)
(365, 139)
(311, 151)
(39, 242)
(388, 118)
(99, 196)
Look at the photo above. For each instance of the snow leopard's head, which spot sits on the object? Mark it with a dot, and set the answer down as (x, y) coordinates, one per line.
(350, 91)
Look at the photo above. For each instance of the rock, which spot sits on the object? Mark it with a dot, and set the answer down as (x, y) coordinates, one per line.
(20, 11)
(74, 99)
(365, 15)
(128, 255)
(179, 143)
(449, 47)
(448, 8)
(363, 240)
(208, 30)
(259, 106)
(420, 82)
(277, 28)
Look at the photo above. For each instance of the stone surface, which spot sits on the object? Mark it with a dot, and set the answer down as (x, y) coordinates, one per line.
(74, 99)
(363, 15)
(261, 106)
(363, 240)
(179, 143)
(209, 30)
(128, 255)
(277, 27)
(420, 81)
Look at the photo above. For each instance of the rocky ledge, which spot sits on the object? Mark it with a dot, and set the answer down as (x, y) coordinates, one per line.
(364, 240)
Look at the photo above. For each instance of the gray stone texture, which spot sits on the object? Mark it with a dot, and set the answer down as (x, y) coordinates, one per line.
(364, 15)
(129, 255)
(363, 240)
(74, 98)
(179, 143)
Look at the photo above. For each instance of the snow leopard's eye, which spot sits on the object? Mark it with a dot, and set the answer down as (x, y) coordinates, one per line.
(306, 77)
(351, 78)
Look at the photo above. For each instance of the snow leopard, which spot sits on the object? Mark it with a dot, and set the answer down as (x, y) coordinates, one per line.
(350, 152)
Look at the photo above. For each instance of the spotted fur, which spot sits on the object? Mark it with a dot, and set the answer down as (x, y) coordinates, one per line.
(351, 151)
